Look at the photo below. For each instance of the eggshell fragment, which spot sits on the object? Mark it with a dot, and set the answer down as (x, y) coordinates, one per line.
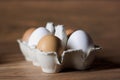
(80, 40)
(36, 36)
(27, 34)
(49, 43)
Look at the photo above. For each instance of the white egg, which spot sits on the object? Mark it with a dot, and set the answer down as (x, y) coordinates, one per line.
(80, 40)
(36, 36)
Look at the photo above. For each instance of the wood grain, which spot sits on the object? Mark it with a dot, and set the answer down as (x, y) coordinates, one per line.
(100, 18)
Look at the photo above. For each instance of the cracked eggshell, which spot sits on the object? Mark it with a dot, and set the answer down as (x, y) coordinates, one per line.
(80, 40)
(36, 36)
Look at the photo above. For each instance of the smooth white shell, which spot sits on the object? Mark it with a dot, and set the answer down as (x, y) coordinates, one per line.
(36, 36)
(80, 40)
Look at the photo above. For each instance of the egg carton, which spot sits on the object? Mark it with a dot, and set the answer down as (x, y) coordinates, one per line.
(50, 62)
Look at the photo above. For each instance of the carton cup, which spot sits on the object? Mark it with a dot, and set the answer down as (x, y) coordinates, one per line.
(50, 62)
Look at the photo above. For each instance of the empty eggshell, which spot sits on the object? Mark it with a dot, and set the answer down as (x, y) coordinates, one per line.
(49, 43)
(80, 40)
(27, 34)
(36, 36)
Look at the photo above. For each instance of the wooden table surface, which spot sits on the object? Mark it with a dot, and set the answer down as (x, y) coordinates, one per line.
(100, 18)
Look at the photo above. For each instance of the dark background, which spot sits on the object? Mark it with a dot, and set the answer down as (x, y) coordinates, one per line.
(100, 18)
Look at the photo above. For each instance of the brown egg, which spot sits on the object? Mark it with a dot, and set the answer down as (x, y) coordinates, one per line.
(49, 43)
(27, 34)
(69, 32)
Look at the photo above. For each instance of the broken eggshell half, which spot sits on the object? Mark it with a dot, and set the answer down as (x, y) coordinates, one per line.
(51, 63)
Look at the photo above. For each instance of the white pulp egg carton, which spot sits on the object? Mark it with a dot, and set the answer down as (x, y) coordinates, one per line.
(79, 55)
(50, 62)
